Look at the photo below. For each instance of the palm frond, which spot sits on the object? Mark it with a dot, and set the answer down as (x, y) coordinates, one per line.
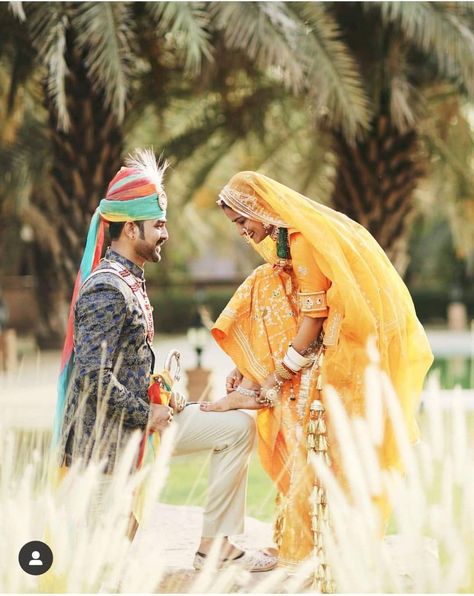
(188, 23)
(25, 160)
(17, 9)
(435, 29)
(17, 58)
(267, 33)
(48, 24)
(407, 103)
(401, 108)
(334, 75)
(105, 34)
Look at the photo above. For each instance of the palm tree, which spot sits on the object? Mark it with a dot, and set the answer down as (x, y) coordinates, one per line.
(372, 72)
(99, 64)
(350, 85)
(405, 50)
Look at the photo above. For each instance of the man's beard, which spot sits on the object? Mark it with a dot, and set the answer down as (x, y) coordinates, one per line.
(150, 253)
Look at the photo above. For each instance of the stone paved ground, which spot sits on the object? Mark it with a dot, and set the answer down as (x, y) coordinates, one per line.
(180, 529)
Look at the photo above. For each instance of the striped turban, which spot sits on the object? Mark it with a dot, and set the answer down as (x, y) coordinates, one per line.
(135, 193)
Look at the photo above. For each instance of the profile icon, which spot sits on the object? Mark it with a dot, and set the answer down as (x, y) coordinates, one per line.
(35, 557)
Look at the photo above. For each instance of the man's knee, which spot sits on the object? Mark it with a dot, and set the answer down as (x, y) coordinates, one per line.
(244, 427)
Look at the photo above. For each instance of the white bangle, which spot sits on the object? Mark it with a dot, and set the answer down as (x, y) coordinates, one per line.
(290, 364)
(295, 358)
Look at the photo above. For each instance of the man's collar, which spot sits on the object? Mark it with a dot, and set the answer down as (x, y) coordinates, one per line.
(112, 255)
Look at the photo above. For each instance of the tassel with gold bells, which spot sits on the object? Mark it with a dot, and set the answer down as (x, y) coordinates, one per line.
(279, 525)
(317, 445)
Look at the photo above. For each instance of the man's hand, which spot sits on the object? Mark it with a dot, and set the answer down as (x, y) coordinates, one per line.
(232, 380)
(160, 417)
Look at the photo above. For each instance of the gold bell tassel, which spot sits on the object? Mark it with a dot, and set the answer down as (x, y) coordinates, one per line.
(317, 444)
(279, 525)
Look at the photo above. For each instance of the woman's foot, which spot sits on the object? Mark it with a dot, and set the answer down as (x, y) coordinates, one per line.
(221, 405)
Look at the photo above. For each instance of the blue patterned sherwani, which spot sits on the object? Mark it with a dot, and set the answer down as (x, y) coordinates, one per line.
(107, 398)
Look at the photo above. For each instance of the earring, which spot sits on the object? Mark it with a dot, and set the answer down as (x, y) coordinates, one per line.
(270, 230)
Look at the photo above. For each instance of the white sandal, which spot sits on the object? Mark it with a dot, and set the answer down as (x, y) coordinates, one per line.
(254, 561)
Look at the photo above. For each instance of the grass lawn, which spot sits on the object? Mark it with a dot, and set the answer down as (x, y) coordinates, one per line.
(187, 481)
(187, 485)
(455, 370)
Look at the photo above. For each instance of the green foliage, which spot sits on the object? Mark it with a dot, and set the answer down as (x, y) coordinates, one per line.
(454, 371)
(432, 305)
(442, 30)
(336, 79)
(105, 34)
(175, 308)
(188, 24)
(221, 87)
(268, 34)
(187, 485)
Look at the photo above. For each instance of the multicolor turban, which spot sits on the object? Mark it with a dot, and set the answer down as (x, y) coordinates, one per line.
(135, 194)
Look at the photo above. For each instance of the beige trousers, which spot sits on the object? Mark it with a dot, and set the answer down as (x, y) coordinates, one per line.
(229, 437)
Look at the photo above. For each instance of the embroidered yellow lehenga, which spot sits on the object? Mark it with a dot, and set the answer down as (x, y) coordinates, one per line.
(340, 273)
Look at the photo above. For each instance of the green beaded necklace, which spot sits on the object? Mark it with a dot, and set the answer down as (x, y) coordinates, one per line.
(283, 246)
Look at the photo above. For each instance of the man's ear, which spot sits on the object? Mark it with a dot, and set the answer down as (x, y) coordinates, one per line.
(130, 230)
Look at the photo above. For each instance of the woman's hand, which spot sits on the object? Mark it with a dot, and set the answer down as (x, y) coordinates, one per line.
(271, 384)
(232, 380)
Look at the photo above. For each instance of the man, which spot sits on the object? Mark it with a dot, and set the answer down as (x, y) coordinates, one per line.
(108, 368)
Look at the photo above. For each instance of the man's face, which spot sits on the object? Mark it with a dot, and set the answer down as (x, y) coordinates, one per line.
(148, 242)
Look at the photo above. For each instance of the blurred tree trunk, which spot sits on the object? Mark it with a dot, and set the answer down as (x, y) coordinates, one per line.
(85, 158)
(375, 182)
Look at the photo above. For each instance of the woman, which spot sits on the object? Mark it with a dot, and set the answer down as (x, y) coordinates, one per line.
(303, 320)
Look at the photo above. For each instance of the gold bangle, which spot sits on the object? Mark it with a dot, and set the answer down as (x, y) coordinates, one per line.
(283, 372)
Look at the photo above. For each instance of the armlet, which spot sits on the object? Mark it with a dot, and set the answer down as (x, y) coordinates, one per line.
(310, 302)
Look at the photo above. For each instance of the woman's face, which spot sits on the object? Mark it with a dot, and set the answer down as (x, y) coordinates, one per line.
(247, 227)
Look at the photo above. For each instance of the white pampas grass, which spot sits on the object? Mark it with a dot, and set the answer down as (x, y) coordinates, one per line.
(432, 501)
(430, 547)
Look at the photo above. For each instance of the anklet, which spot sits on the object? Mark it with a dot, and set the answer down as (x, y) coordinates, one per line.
(247, 392)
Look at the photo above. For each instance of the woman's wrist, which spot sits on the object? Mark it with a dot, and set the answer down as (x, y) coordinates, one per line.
(283, 372)
(294, 361)
(270, 392)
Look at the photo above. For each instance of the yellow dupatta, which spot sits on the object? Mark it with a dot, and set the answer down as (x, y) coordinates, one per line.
(367, 298)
